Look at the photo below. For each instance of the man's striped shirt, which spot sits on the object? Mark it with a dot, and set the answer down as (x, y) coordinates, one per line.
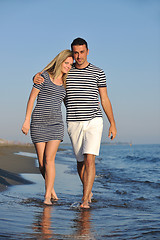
(82, 99)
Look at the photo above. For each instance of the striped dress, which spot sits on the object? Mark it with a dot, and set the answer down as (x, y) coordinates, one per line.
(46, 119)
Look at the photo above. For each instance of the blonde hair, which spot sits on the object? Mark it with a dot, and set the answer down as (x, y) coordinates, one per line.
(54, 67)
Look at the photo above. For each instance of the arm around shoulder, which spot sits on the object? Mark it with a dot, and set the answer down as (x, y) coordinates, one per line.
(38, 79)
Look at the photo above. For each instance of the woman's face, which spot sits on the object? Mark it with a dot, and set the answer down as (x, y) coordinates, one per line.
(66, 65)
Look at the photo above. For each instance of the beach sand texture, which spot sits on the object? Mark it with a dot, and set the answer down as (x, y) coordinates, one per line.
(11, 165)
(125, 195)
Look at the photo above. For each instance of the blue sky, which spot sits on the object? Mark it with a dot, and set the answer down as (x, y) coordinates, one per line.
(123, 38)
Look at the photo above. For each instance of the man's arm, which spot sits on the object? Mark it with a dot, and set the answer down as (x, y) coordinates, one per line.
(38, 79)
(107, 107)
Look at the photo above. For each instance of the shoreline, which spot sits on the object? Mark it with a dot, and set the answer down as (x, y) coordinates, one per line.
(12, 165)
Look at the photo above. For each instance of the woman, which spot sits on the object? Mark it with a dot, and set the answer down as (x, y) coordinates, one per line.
(46, 126)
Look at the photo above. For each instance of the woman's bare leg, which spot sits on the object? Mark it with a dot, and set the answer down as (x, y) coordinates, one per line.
(50, 153)
(40, 150)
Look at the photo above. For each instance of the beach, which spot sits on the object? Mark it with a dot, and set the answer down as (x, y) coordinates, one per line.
(125, 202)
(11, 165)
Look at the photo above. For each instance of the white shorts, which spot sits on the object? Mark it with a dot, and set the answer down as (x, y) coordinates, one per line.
(86, 137)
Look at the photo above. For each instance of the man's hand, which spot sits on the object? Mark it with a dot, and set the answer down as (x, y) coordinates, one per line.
(112, 131)
(38, 79)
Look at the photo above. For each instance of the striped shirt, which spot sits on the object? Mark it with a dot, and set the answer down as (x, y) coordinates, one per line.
(46, 121)
(82, 99)
(48, 107)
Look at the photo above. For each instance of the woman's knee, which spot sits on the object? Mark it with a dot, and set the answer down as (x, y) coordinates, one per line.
(49, 160)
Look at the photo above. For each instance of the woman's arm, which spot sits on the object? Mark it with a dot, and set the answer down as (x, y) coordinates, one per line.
(30, 104)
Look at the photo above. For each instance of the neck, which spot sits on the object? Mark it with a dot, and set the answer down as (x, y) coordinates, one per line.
(57, 80)
(60, 77)
(80, 66)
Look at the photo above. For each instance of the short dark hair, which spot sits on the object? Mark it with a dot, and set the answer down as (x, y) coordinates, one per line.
(78, 41)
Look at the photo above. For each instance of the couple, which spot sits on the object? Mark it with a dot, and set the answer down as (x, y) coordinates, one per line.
(79, 85)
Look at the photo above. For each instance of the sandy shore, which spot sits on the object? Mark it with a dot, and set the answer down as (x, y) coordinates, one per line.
(11, 165)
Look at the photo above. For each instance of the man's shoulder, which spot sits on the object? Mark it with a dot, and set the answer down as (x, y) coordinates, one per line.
(92, 66)
(89, 67)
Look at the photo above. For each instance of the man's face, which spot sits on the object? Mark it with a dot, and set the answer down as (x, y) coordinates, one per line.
(80, 53)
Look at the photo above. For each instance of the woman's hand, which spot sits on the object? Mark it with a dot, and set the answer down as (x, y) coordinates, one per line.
(26, 127)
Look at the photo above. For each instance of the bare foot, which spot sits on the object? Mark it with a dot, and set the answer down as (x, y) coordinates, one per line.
(54, 196)
(85, 205)
(90, 197)
(47, 201)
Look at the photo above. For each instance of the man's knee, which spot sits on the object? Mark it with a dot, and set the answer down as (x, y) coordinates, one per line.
(89, 159)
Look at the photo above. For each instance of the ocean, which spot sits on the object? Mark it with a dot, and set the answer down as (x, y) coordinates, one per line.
(126, 199)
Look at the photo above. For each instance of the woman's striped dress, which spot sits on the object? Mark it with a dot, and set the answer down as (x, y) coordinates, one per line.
(46, 120)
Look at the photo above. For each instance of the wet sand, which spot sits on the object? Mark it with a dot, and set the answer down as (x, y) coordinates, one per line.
(11, 165)
(125, 203)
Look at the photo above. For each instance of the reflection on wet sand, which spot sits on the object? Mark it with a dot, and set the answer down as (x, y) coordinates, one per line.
(42, 226)
(83, 225)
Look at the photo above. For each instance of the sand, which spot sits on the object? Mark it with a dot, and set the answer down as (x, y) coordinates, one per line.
(11, 165)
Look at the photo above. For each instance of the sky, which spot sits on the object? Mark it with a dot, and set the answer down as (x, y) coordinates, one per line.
(123, 38)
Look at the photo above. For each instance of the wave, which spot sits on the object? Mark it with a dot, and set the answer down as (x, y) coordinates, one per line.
(146, 159)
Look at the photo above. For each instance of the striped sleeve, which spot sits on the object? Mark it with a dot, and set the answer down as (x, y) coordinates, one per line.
(39, 86)
(102, 79)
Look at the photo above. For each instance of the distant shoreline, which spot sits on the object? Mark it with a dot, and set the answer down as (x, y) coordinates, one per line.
(15, 143)
(4, 142)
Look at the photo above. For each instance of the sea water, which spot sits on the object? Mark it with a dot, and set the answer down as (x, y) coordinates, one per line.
(126, 199)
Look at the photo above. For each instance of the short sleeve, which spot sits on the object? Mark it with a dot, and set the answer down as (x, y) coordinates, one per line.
(39, 86)
(102, 79)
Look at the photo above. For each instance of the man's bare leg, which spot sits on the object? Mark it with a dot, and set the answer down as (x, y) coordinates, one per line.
(80, 170)
(88, 179)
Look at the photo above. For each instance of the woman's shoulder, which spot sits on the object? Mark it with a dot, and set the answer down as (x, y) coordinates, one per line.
(45, 75)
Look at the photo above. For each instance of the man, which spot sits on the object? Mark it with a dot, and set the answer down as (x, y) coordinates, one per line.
(85, 82)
